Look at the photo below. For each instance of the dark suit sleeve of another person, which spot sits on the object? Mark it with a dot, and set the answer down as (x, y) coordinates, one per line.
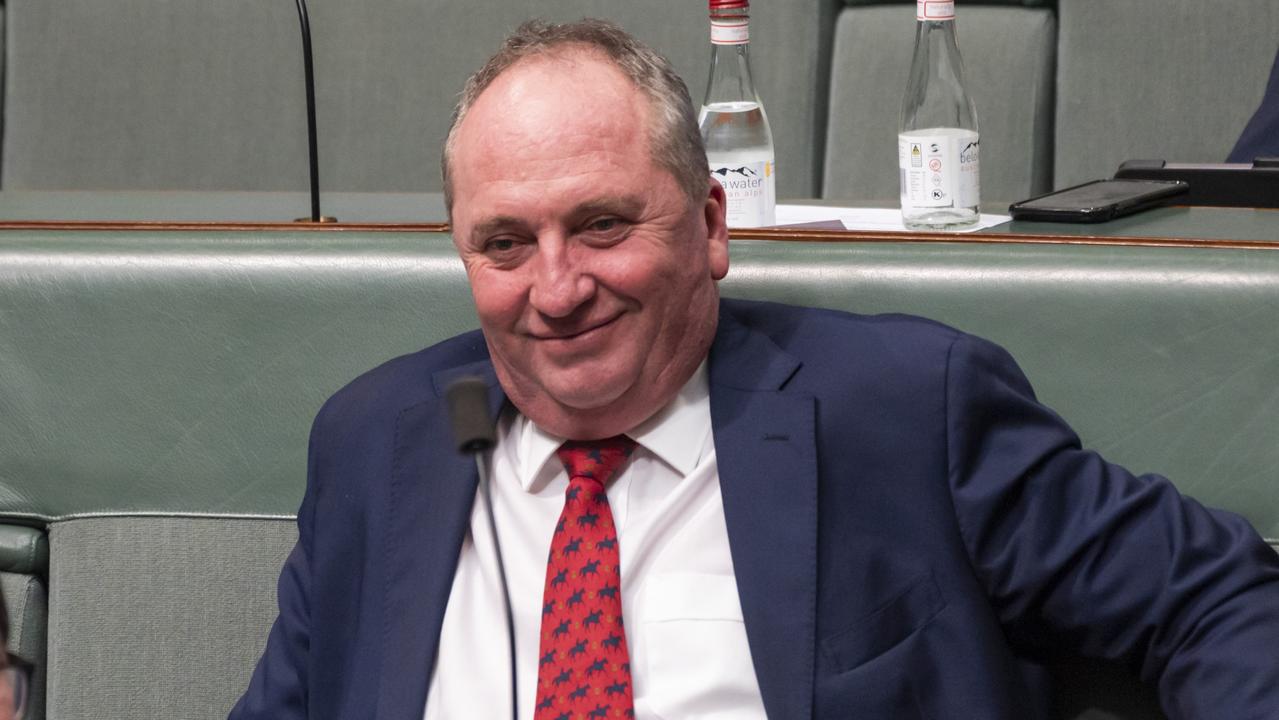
(1260, 137)
(1078, 553)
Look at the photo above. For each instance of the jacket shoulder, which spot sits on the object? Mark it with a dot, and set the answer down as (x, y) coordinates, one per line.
(821, 334)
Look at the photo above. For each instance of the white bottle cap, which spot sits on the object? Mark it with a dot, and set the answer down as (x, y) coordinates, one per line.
(730, 32)
(934, 9)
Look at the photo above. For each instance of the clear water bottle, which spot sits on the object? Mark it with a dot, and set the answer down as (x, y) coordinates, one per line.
(739, 144)
(938, 143)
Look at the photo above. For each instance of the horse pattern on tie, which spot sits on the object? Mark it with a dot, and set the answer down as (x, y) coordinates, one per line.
(584, 666)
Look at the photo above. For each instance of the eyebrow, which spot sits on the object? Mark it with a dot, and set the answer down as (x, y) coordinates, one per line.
(492, 225)
(624, 204)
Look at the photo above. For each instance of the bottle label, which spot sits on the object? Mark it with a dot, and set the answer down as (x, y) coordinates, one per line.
(730, 32)
(751, 189)
(934, 9)
(939, 168)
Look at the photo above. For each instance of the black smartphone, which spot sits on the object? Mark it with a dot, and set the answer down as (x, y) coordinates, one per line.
(1097, 201)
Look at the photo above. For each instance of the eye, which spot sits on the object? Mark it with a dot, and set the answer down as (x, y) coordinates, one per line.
(605, 230)
(505, 251)
(500, 245)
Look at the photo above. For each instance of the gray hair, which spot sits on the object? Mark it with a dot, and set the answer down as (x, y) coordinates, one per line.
(674, 139)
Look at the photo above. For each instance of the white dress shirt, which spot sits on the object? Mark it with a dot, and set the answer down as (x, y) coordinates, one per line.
(683, 620)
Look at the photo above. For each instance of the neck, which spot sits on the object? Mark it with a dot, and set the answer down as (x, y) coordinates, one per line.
(615, 418)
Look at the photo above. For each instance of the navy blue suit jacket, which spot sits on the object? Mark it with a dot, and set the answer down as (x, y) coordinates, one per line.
(912, 535)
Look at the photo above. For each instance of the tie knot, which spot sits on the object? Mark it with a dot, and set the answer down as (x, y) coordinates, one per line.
(595, 460)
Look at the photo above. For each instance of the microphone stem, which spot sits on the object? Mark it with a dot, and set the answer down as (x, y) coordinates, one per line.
(308, 66)
(481, 463)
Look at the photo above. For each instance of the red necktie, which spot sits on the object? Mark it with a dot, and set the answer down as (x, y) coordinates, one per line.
(584, 670)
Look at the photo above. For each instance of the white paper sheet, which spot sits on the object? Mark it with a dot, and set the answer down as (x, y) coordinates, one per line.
(887, 219)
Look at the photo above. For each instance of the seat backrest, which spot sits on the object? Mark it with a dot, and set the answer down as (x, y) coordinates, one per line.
(184, 95)
(1008, 60)
(157, 389)
(1173, 80)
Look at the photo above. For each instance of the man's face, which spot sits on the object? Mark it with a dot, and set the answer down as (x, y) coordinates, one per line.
(593, 274)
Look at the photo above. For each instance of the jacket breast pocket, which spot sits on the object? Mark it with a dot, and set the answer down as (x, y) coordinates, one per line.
(892, 623)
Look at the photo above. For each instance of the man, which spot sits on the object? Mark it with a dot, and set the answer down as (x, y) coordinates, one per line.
(815, 514)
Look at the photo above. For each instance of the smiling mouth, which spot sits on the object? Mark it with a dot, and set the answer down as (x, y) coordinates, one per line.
(578, 333)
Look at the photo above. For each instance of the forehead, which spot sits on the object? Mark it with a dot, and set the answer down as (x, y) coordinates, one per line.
(570, 78)
(554, 109)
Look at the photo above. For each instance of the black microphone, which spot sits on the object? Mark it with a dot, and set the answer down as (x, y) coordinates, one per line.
(467, 399)
(469, 411)
(308, 68)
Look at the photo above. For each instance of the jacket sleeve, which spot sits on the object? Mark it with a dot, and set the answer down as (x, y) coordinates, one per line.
(1079, 556)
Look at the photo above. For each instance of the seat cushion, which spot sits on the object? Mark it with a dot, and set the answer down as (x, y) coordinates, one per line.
(159, 617)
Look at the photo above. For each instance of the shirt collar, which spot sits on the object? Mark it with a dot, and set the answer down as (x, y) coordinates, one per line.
(676, 434)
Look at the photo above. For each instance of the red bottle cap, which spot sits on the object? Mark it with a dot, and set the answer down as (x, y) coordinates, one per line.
(726, 10)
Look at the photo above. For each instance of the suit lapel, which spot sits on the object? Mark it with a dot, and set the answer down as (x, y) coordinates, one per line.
(428, 513)
(766, 450)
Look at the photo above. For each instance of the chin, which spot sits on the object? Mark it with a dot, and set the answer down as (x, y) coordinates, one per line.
(579, 397)
(589, 390)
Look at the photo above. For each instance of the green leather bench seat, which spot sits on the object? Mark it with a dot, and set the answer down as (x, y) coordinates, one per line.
(156, 390)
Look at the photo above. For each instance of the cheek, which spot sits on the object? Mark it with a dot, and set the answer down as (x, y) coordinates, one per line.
(643, 274)
(499, 298)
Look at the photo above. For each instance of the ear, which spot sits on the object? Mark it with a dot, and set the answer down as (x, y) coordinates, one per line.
(717, 229)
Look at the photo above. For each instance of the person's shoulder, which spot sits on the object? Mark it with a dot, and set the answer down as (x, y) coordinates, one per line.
(881, 359)
(405, 380)
(799, 328)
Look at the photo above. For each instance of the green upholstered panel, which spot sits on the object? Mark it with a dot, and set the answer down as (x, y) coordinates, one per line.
(1008, 65)
(23, 550)
(159, 617)
(179, 373)
(26, 601)
(188, 94)
(169, 372)
(1170, 79)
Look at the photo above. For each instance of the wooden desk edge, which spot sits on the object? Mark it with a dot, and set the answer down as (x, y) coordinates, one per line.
(780, 234)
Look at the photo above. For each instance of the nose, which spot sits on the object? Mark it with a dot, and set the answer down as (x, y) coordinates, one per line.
(561, 284)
